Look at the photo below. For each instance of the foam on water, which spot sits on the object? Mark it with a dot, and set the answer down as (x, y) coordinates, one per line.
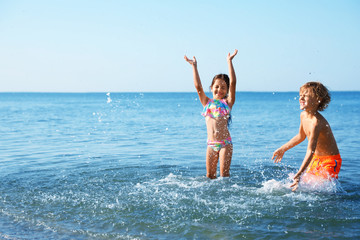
(173, 203)
(318, 184)
(312, 184)
(273, 186)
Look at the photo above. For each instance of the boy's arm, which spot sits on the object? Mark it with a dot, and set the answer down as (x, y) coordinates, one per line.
(202, 96)
(279, 153)
(232, 76)
(313, 139)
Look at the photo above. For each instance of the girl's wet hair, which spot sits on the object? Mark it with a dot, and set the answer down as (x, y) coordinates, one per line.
(321, 93)
(224, 77)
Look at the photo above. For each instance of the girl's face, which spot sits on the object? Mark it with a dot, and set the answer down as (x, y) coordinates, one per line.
(219, 89)
(308, 101)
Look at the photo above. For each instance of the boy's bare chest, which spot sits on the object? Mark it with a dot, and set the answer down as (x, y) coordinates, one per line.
(309, 126)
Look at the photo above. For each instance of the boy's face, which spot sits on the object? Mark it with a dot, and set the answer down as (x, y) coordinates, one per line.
(308, 101)
(219, 89)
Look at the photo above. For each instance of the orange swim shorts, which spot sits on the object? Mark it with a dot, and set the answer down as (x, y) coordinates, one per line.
(325, 166)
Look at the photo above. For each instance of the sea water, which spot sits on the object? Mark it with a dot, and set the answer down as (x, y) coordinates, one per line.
(132, 166)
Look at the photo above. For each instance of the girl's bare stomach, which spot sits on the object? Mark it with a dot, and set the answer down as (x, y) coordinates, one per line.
(217, 129)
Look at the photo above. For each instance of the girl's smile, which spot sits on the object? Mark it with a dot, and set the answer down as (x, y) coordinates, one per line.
(219, 89)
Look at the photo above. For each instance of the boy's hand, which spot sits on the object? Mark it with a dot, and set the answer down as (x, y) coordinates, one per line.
(279, 153)
(295, 184)
(192, 62)
(230, 57)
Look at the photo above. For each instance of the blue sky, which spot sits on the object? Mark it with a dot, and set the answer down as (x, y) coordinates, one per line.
(135, 45)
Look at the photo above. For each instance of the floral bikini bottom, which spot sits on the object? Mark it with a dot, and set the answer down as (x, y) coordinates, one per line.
(217, 145)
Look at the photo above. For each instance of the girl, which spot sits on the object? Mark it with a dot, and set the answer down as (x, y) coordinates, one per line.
(217, 114)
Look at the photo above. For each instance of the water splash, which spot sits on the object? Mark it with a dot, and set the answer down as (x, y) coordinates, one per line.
(109, 100)
(308, 183)
(274, 186)
(312, 183)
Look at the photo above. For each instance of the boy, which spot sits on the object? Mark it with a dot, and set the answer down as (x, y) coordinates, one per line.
(322, 157)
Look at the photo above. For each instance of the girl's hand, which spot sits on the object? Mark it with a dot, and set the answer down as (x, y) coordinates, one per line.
(192, 62)
(279, 153)
(230, 57)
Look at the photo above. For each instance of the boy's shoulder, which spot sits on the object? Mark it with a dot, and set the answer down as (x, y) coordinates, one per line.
(305, 115)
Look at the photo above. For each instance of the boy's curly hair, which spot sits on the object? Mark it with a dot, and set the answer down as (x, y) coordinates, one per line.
(321, 93)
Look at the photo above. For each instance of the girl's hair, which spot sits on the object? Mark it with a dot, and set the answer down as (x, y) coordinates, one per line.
(320, 92)
(224, 77)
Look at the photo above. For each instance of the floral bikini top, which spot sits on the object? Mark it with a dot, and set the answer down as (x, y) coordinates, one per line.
(216, 108)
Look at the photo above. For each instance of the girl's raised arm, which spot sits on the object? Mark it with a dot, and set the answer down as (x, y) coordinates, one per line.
(202, 96)
(232, 76)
